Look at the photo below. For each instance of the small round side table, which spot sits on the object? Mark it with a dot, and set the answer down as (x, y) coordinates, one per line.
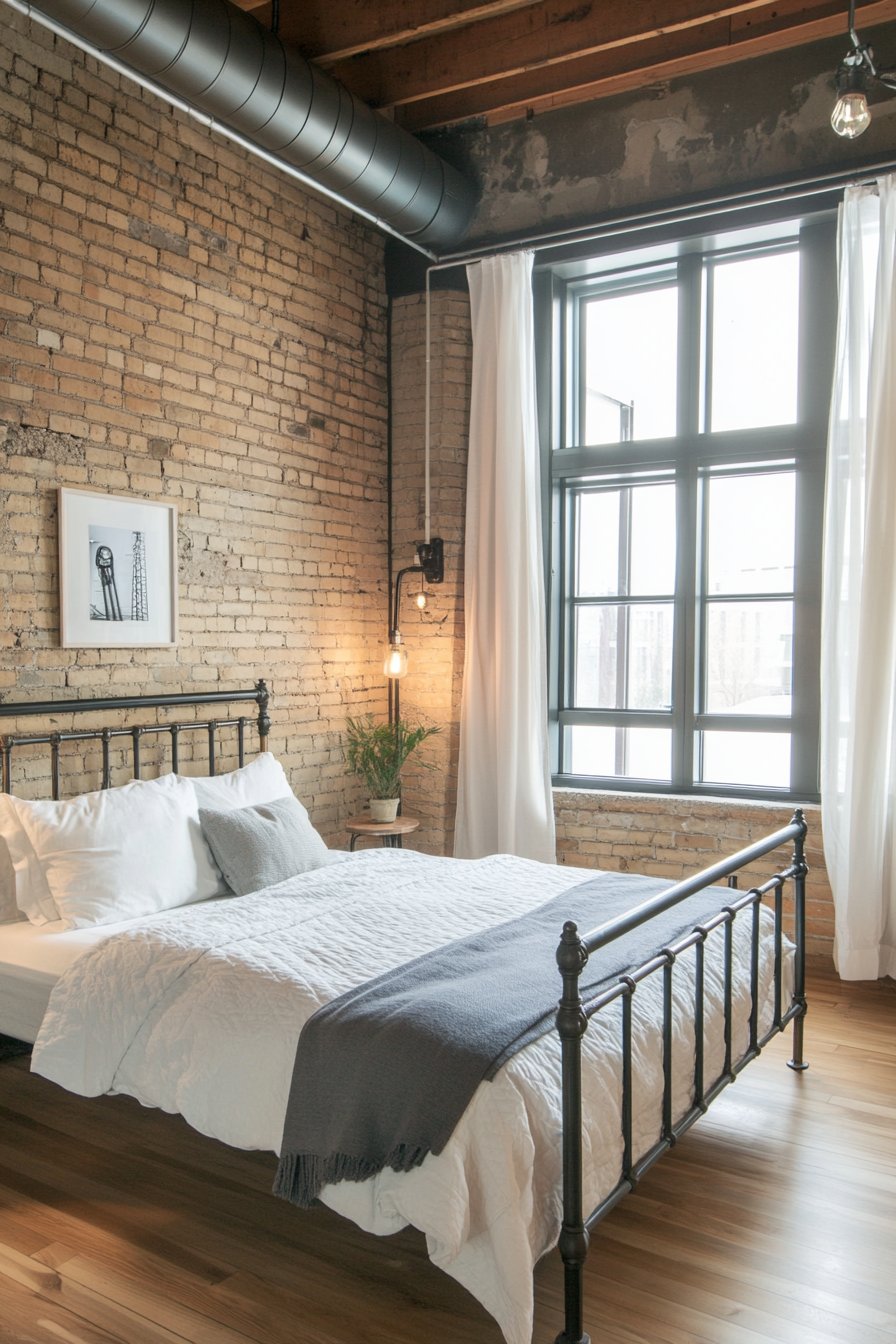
(391, 831)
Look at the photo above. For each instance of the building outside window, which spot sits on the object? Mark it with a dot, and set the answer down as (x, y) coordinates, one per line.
(683, 400)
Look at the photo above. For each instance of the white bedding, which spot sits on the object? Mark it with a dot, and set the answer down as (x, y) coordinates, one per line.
(199, 1012)
(32, 958)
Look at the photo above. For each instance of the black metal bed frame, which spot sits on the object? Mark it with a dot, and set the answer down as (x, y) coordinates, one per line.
(8, 742)
(573, 1015)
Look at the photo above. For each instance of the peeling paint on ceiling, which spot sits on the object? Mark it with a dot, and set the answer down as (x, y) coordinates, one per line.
(760, 119)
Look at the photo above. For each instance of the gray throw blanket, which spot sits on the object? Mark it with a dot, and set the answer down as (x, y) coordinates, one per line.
(383, 1073)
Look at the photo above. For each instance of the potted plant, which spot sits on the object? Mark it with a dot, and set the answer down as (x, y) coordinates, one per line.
(378, 753)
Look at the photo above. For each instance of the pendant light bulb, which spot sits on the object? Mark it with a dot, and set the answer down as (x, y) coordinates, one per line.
(421, 599)
(851, 117)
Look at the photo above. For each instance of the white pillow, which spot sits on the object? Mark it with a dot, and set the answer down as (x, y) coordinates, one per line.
(261, 781)
(9, 911)
(108, 856)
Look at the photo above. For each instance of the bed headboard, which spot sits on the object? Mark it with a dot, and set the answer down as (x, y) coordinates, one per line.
(54, 739)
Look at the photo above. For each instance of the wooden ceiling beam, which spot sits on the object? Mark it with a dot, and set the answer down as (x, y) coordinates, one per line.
(328, 31)
(625, 68)
(543, 34)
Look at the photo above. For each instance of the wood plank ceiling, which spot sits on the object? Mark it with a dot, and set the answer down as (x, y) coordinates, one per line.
(429, 63)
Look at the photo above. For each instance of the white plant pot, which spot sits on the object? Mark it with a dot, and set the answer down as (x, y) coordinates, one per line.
(383, 809)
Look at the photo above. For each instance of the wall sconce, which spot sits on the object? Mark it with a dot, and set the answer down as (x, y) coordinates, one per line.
(431, 567)
(850, 116)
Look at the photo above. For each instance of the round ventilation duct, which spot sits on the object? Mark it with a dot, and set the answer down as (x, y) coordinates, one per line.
(222, 61)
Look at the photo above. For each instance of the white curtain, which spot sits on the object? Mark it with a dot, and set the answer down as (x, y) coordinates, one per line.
(504, 802)
(858, 672)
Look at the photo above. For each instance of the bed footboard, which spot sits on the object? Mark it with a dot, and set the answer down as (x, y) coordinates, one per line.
(573, 1016)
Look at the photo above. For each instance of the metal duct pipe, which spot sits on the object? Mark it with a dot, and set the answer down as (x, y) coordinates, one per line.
(222, 61)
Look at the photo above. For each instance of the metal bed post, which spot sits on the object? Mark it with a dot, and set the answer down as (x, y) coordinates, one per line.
(264, 723)
(799, 917)
(571, 1027)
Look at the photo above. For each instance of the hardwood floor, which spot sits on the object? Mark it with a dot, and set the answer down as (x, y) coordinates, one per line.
(774, 1219)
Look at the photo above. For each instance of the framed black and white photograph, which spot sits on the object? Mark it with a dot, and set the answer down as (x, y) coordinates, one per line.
(117, 571)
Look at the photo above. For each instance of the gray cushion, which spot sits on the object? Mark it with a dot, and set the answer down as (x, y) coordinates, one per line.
(259, 846)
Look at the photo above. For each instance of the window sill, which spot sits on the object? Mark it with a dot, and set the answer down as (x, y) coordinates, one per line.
(615, 800)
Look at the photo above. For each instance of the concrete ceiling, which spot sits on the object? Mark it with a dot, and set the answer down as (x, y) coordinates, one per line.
(431, 63)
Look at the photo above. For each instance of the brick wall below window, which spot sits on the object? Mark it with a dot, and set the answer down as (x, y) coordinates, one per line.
(674, 837)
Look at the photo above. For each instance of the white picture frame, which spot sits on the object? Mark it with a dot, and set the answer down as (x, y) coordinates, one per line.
(117, 571)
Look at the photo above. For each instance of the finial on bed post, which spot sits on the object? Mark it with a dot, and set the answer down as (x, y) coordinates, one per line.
(572, 1024)
(799, 921)
(264, 723)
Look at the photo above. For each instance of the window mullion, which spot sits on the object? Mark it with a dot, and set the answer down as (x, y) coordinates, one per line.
(569, 523)
(690, 269)
(622, 620)
(705, 413)
(684, 652)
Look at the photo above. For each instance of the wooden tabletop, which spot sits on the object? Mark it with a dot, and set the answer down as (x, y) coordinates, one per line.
(400, 826)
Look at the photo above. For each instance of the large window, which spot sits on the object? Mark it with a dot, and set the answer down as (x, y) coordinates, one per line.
(683, 396)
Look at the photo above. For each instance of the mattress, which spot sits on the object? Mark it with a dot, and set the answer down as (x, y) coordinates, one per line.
(33, 958)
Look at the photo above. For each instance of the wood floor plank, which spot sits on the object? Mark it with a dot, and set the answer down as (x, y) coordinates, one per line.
(768, 1307)
(48, 1285)
(772, 1222)
(25, 1319)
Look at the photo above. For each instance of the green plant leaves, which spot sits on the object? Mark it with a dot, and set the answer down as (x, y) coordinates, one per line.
(378, 752)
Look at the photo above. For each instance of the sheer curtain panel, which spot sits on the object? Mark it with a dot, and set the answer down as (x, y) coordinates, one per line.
(504, 801)
(858, 672)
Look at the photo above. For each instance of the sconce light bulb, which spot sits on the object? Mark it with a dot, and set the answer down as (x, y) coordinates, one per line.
(396, 661)
(851, 117)
(421, 600)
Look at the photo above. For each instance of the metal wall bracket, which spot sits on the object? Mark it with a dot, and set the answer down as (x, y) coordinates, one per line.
(431, 559)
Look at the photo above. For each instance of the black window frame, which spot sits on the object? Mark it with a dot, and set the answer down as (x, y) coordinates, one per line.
(559, 288)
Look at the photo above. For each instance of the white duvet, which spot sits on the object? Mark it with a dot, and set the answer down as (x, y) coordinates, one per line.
(200, 1014)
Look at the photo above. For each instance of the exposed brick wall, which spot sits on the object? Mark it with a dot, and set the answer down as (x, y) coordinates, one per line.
(182, 323)
(434, 637)
(671, 837)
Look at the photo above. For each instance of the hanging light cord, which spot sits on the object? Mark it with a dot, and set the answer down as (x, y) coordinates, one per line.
(863, 54)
